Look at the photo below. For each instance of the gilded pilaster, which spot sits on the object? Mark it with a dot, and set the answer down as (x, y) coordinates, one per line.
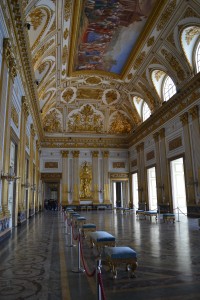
(188, 160)
(164, 169)
(30, 176)
(76, 179)
(65, 177)
(158, 168)
(106, 198)
(6, 161)
(21, 160)
(37, 176)
(95, 176)
(194, 112)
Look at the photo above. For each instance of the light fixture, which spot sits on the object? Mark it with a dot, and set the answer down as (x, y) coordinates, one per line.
(10, 176)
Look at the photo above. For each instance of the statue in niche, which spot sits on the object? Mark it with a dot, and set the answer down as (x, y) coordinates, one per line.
(85, 181)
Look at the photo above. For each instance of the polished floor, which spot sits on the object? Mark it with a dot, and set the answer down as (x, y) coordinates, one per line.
(37, 262)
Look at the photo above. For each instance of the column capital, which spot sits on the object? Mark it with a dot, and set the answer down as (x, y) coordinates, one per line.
(194, 112)
(184, 118)
(95, 153)
(64, 153)
(156, 136)
(105, 153)
(162, 133)
(75, 154)
(9, 57)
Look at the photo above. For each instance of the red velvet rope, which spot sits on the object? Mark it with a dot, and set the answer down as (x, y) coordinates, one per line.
(100, 281)
(83, 261)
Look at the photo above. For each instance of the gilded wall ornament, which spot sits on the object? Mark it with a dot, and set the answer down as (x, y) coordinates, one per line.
(139, 60)
(64, 54)
(68, 94)
(67, 9)
(42, 50)
(120, 124)
(84, 93)
(66, 33)
(51, 122)
(86, 120)
(150, 41)
(14, 116)
(111, 96)
(36, 17)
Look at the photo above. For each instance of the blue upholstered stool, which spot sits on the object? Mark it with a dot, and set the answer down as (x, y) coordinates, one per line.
(168, 217)
(116, 256)
(101, 239)
(88, 227)
(151, 213)
(79, 221)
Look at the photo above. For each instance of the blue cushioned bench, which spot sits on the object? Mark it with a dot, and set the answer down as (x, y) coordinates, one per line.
(151, 213)
(168, 217)
(101, 239)
(116, 256)
(79, 221)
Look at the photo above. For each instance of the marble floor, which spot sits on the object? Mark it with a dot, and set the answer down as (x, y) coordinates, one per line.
(37, 261)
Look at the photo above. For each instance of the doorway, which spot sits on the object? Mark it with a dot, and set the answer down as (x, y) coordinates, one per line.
(178, 185)
(135, 191)
(152, 190)
(120, 194)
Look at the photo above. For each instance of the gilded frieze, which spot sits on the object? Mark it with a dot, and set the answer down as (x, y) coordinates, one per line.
(86, 94)
(93, 80)
(120, 124)
(118, 165)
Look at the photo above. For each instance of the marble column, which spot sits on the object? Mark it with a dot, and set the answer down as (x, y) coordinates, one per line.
(76, 178)
(194, 112)
(106, 195)
(6, 139)
(95, 176)
(65, 178)
(188, 160)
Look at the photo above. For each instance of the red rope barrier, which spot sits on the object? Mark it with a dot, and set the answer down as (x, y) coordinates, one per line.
(89, 274)
(100, 281)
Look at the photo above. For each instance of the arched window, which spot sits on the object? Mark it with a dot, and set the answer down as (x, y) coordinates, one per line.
(197, 58)
(146, 112)
(169, 88)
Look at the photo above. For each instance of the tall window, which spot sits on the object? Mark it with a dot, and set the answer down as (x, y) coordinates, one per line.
(169, 88)
(146, 112)
(197, 58)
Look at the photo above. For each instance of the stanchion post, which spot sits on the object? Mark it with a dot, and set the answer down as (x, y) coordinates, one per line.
(178, 215)
(97, 279)
(78, 269)
(71, 236)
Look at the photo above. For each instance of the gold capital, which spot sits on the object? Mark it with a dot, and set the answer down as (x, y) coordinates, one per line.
(184, 118)
(75, 153)
(95, 153)
(64, 153)
(194, 111)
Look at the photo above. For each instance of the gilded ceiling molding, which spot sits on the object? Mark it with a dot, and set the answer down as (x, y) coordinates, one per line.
(166, 15)
(41, 51)
(65, 54)
(150, 41)
(67, 9)
(38, 15)
(174, 64)
(66, 33)
(93, 80)
(139, 60)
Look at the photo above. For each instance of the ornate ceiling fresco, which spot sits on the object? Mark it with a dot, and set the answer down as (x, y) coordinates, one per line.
(81, 52)
(91, 61)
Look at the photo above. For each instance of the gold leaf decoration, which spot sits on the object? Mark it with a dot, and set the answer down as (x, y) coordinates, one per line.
(67, 10)
(191, 32)
(121, 124)
(66, 33)
(64, 54)
(93, 80)
(51, 122)
(174, 64)
(158, 74)
(150, 41)
(166, 15)
(36, 18)
(139, 60)
(68, 94)
(14, 116)
(111, 96)
(86, 120)
(42, 67)
(41, 51)
(85, 94)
